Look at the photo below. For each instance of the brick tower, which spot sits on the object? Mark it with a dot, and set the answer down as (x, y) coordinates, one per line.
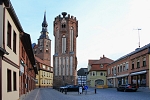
(44, 44)
(64, 58)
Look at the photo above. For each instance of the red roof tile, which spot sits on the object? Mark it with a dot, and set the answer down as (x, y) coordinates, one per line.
(41, 61)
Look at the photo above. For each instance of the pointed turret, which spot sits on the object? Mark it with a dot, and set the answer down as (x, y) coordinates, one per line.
(44, 24)
(44, 33)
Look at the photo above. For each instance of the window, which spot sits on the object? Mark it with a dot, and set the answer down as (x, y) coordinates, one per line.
(71, 38)
(23, 53)
(14, 42)
(47, 50)
(9, 35)
(90, 73)
(124, 68)
(63, 26)
(43, 66)
(93, 73)
(101, 65)
(101, 74)
(144, 62)
(115, 70)
(118, 69)
(138, 63)
(112, 70)
(63, 44)
(132, 64)
(127, 66)
(14, 81)
(8, 80)
(108, 71)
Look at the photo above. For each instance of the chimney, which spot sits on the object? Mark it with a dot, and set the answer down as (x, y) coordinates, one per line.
(103, 56)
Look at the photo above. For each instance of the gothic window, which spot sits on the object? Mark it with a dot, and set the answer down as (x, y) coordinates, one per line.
(71, 64)
(63, 25)
(57, 40)
(63, 44)
(56, 64)
(71, 38)
(67, 63)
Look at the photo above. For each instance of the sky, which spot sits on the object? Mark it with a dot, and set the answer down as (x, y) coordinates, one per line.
(105, 27)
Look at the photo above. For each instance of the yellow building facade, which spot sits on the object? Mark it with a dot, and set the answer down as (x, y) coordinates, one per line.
(97, 72)
(45, 76)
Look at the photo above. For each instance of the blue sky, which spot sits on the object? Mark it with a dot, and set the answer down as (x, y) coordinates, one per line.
(104, 26)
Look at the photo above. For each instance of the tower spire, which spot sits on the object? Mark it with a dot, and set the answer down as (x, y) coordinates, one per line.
(44, 24)
(44, 32)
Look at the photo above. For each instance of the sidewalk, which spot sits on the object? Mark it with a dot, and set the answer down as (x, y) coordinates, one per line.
(143, 89)
(33, 95)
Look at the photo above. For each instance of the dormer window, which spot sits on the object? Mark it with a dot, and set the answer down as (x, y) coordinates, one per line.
(101, 65)
(43, 66)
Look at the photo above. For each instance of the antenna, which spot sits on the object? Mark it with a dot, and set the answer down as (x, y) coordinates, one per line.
(138, 35)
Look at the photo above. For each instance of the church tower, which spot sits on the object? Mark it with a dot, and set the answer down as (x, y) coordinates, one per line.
(42, 54)
(64, 58)
(44, 44)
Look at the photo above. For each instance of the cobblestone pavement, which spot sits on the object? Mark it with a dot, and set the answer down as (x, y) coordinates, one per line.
(101, 94)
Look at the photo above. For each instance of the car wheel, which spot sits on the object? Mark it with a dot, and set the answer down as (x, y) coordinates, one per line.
(135, 90)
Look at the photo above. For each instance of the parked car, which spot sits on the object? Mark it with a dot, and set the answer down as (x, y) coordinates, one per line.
(127, 87)
(70, 88)
(62, 88)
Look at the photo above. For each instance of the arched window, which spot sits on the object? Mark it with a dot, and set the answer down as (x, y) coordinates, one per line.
(63, 44)
(71, 38)
(99, 82)
(57, 40)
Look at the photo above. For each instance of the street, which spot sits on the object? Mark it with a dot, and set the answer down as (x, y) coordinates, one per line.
(101, 94)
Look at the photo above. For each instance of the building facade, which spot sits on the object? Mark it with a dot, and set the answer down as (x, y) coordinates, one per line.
(98, 72)
(132, 68)
(42, 52)
(28, 69)
(10, 29)
(64, 58)
(82, 76)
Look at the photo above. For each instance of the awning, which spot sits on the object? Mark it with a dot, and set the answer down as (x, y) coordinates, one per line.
(137, 73)
(122, 75)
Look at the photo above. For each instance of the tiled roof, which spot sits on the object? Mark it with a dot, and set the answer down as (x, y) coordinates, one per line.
(134, 52)
(95, 64)
(98, 68)
(92, 61)
(103, 60)
(41, 61)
